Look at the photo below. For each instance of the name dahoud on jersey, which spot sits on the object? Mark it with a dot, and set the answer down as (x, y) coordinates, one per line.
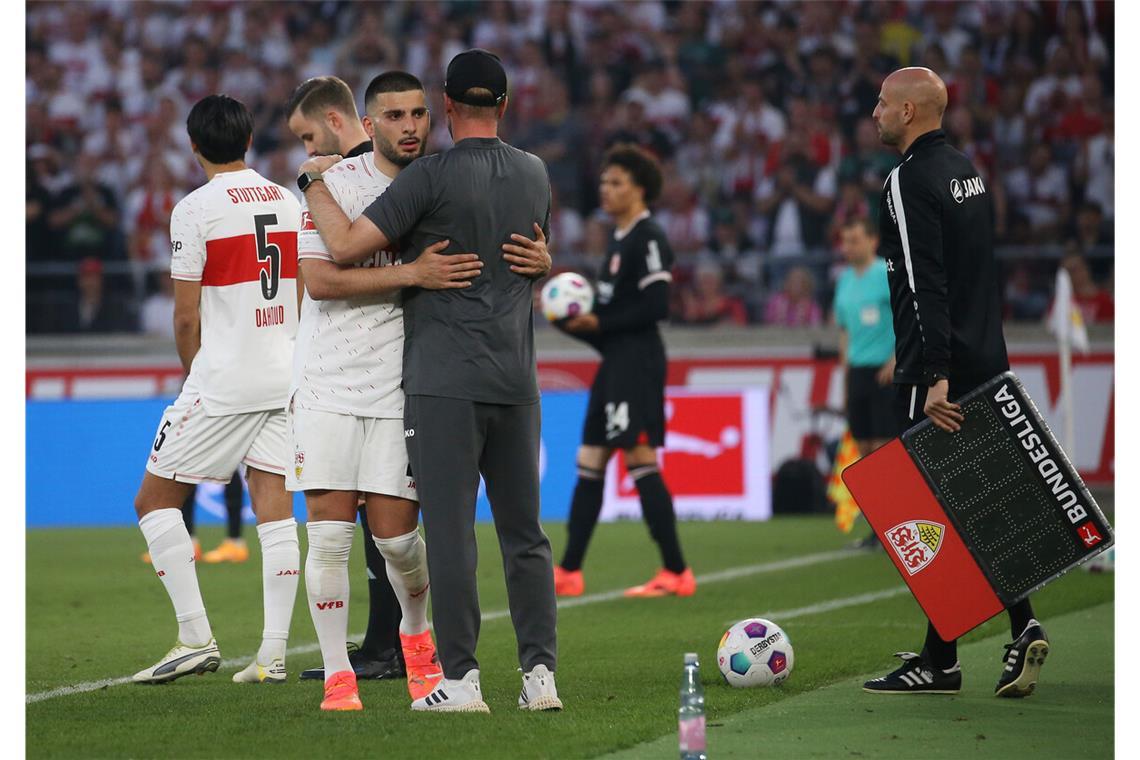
(960, 190)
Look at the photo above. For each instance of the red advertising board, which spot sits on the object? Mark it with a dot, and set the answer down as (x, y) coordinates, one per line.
(798, 386)
(715, 459)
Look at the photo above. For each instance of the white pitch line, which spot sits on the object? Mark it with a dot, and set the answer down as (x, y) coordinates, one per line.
(830, 604)
(603, 596)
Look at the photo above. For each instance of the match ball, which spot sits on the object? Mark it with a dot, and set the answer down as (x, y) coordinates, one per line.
(567, 295)
(755, 652)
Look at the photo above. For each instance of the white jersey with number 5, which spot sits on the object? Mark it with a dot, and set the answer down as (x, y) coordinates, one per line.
(237, 235)
(350, 353)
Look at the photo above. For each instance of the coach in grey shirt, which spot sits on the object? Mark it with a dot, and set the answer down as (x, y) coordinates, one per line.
(472, 400)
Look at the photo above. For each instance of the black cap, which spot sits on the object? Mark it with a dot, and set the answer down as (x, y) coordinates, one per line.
(476, 68)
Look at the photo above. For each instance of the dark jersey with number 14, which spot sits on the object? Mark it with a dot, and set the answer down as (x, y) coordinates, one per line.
(627, 399)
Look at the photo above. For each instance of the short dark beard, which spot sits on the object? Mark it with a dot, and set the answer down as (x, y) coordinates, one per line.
(886, 138)
(388, 150)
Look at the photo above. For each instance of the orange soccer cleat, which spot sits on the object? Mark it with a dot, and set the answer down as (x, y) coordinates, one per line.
(229, 550)
(568, 582)
(424, 672)
(666, 583)
(341, 693)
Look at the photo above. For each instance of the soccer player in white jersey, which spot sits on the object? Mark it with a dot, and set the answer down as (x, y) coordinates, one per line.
(234, 265)
(346, 408)
(346, 405)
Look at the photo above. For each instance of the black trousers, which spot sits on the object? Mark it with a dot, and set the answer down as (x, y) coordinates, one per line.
(451, 442)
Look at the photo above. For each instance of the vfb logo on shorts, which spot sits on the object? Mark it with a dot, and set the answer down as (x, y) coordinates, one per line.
(917, 543)
(299, 463)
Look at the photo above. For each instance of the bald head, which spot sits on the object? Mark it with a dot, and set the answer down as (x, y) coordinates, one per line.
(911, 103)
(920, 86)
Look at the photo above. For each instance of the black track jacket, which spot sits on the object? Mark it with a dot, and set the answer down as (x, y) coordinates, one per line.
(936, 226)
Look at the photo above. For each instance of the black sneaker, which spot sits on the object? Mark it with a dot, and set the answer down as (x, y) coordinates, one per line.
(366, 666)
(916, 676)
(1023, 660)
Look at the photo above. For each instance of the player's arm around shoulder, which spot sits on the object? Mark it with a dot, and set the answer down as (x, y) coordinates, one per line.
(347, 241)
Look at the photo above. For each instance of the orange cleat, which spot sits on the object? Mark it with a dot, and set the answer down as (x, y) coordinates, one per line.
(568, 582)
(197, 553)
(424, 672)
(341, 693)
(666, 583)
(229, 550)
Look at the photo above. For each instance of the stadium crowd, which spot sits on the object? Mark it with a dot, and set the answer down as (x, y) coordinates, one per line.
(759, 111)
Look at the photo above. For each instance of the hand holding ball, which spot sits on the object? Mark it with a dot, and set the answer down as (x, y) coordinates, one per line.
(567, 295)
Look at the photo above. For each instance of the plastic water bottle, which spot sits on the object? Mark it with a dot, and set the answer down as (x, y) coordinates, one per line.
(691, 716)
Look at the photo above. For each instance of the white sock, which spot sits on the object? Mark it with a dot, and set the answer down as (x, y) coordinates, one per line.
(405, 558)
(326, 583)
(172, 555)
(280, 570)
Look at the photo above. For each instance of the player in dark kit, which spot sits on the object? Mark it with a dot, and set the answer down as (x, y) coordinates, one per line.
(627, 401)
(936, 230)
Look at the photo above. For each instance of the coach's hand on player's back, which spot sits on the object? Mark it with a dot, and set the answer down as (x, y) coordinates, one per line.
(940, 410)
(527, 257)
(435, 271)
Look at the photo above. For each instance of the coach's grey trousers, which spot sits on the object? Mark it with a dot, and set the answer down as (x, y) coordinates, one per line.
(450, 442)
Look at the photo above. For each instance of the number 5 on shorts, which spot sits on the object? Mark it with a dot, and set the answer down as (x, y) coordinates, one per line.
(161, 435)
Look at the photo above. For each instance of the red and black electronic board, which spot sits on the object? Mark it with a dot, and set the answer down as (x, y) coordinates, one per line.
(977, 520)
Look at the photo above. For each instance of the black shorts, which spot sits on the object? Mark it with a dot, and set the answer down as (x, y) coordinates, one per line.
(627, 403)
(870, 406)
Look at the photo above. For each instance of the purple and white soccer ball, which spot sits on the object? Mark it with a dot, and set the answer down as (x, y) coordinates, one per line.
(755, 652)
(567, 295)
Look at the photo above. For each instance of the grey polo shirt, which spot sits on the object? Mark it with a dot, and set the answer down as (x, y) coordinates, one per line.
(473, 343)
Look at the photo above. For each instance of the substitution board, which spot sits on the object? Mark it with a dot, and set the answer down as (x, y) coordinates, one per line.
(977, 520)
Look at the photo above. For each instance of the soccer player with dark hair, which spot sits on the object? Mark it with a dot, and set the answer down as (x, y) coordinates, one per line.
(627, 401)
(472, 403)
(234, 265)
(322, 114)
(936, 224)
(346, 410)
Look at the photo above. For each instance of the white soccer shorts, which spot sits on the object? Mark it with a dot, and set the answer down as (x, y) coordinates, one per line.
(191, 447)
(343, 452)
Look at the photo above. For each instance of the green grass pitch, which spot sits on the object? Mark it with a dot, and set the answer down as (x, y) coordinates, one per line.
(96, 613)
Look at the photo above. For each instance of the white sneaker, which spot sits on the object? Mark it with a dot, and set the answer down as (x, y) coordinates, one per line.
(463, 695)
(539, 691)
(182, 661)
(255, 672)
